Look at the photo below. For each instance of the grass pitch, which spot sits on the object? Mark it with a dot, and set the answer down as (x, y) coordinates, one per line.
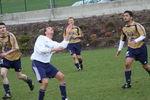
(101, 79)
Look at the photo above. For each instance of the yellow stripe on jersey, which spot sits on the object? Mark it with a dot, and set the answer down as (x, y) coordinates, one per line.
(132, 32)
(9, 42)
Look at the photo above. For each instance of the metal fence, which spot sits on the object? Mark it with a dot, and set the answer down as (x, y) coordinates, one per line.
(11, 6)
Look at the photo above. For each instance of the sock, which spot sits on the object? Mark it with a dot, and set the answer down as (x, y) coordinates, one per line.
(128, 76)
(6, 88)
(148, 71)
(41, 94)
(63, 91)
(28, 80)
(77, 65)
(80, 61)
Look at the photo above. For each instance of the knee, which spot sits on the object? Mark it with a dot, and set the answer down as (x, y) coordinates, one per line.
(45, 83)
(74, 56)
(146, 66)
(3, 74)
(62, 77)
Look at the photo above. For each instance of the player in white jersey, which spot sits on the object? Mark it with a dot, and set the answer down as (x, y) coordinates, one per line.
(43, 50)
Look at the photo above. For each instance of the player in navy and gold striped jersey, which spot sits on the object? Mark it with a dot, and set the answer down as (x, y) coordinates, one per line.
(10, 58)
(135, 34)
(74, 44)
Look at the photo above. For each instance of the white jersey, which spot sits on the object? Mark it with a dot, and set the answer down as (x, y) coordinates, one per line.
(42, 48)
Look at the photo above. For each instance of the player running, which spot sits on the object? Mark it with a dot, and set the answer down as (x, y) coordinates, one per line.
(10, 58)
(74, 44)
(135, 34)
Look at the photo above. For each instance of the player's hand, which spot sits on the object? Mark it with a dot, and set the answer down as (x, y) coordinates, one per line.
(132, 43)
(118, 53)
(3, 54)
(68, 30)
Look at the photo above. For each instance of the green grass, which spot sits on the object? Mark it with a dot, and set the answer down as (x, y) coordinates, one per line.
(101, 79)
(9, 6)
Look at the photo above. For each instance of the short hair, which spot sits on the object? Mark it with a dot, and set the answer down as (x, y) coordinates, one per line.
(44, 30)
(129, 12)
(71, 18)
(1, 23)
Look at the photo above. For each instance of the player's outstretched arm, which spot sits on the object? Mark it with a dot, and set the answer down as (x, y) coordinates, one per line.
(57, 49)
(68, 30)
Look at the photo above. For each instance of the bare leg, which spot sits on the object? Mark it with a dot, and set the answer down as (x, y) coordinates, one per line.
(147, 68)
(43, 88)
(62, 85)
(128, 62)
(5, 83)
(26, 79)
(80, 61)
(76, 61)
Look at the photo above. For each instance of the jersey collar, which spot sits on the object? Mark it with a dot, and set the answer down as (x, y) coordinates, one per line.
(131, 24)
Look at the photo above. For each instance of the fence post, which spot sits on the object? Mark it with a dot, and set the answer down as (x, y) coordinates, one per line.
(1, 6)
(54, 5)
(25, 5)
(50, 4)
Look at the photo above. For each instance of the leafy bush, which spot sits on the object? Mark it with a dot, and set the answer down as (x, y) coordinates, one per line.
(24, 39)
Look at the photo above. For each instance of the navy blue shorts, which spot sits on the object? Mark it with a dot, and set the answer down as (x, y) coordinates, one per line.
(74, 48)
(139, 54)
(15, 64)
(43, 70)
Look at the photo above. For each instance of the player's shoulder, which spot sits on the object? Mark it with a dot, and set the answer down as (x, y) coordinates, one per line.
(11, 35)
(138, 24)
(41, 37)
(77, 27)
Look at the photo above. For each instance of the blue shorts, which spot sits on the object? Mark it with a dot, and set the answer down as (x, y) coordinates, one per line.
(139, 54)
(74, 48)
(15, 64)
(43, 70)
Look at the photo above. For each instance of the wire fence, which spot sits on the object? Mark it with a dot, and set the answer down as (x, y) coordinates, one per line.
(11, 6)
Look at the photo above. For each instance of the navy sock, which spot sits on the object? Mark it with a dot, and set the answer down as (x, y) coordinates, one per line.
(128, 76)
(77, 65)
(41, 94)
(80, 61)
(63, 91)
(81, 65)
(28, 80)
(6, 88)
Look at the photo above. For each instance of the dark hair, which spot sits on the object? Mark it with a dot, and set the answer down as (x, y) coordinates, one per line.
(129, 12)
(1, 23)
(43, 31)
(70, 18)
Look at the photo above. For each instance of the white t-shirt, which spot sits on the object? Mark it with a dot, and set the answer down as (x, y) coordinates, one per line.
(42, 48)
